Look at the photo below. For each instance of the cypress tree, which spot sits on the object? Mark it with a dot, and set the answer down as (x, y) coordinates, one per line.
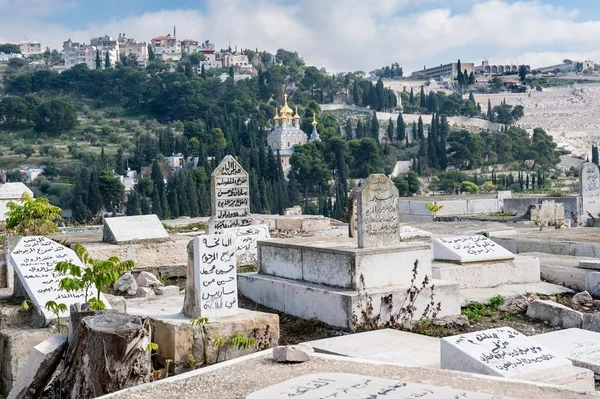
(422, 99)
(432, 143)
(595, 154)
(255, 202)
(133, 204)
(411, 97)
(490, 113)
(423, 147)
(533, 181)
(203, 72)
(359, 130)
(107, 61)
(348, 129)
(156, 208)
(375, 127)
(390, 130)
(98, 61)
(443, 131)
(355, 95)
(414, 131)
(400, 129)
(94, 197)
(527, 182)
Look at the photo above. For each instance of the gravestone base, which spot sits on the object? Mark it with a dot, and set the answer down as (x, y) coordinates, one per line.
(336, 306)
(520, 270)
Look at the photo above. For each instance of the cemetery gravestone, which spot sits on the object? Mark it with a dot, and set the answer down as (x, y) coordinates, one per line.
(230, 198)
(378, 216)
(469, 249)
(582, 347)
(589, 189)
(34, 259)
(211, 287)
(501, 352)
(354, 386)
(411, 233)
(128, 229)
(246, 247)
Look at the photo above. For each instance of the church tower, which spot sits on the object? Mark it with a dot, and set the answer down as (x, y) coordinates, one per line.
(286, 134)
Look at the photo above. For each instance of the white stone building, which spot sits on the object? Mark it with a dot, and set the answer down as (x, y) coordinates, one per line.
(189, 46)
(129, 46)
(166, 48)
(29, 48)
(106, 45)
(76, 53)
(235, 60)
(210, 62)
(4, 58)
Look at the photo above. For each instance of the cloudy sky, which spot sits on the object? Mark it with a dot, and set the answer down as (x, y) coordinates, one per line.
(340, 35)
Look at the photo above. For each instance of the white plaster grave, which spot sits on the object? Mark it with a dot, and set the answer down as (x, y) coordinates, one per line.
(589, 264)
(230, 196)
(589, 189)
(211, 289)
(465, 249)
(246, 247)
(34, 259)
(502, 352)
(378, 216)
(582, 347)
(128, 229)
(411, 233)
(354, 386)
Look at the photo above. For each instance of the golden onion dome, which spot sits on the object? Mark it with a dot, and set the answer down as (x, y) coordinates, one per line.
(286, 111)
(276, 117)
(314, 122)
(296, 117)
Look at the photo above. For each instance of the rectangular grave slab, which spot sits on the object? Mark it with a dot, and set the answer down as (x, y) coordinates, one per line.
(589, 189)
(590, 264)
(582, 347)
(469, 249)
(230, 196)
(131, 229)
(378, 213)
(502, 352)
(412, 233)
(211, 287)
(354, 386)
(34, 259)
(246, 242)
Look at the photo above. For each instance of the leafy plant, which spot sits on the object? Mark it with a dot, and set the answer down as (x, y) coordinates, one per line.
(162, 278)
(25, 305)
(239, 340)
(200, 323)
(475, 311)
(435, 208)
(32, 216)
(496, 301)
(99, 273)
(151, 347)
(57, 309)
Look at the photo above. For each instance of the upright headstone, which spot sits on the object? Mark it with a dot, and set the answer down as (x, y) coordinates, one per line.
(466, 249)
(355, 386)
(246, 246)
(230, 196)
(589, 189)
(501, 352)
(378, 213)
(34, 259)
(128, 229)
(11, 192)
(211, 287)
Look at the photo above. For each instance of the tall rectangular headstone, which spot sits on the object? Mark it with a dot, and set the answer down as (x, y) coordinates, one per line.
(246, 242)
(230, 196)
(34, 259)
(355, 386)
(501, 352)
(211, 286)
(467, 249)
(378, 213)
(589, 189)
(130, 229)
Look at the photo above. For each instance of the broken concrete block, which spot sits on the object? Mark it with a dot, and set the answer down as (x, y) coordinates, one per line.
(591, 322)
(147, 279)
(41, 364)
(292, 353)
(116, 302)
(126, 285)
(555, 314)
(583, 299)
(144, 292)
(169, 290)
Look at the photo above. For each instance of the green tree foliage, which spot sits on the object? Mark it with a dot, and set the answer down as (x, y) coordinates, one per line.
(55, 116)
(32, 217)
(374, 127)
(595, 154)
(407, 185)
(112, 190)
(9, 48)
(400, 129)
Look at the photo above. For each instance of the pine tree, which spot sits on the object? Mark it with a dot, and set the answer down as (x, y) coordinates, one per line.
(348, 129)
(98, 61)
(422, 99)
(107, 61)
(400, 129)
(390, 130)
(375, 127)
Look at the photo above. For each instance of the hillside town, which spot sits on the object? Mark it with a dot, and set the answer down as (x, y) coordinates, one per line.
(179, 220)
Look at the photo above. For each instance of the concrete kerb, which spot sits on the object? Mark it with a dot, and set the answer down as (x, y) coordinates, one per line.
(480, 377)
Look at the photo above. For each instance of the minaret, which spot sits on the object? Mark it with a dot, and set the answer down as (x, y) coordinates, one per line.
(174, 32)
(314, 136)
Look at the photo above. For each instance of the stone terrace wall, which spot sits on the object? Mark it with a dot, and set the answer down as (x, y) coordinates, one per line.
(520, 206)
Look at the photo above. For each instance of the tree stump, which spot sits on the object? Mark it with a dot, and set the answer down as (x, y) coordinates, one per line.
(108, 353)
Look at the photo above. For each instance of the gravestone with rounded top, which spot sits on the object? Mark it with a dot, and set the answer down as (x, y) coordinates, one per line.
(34, 259)
(589, 189)
(378, 213)
(230, 196)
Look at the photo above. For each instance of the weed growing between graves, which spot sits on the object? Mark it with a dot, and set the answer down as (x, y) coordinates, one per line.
(404, 317)
(476, 310)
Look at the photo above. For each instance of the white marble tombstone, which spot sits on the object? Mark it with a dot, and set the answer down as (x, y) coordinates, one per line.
(501, 352)
(230, 196)
(378, 213)
(466, 249)
(355, 386)
(211, 287)
(246, 246)
(589, 189)
(34, 259)
(582, 347)
(128, 229)
(412, 233)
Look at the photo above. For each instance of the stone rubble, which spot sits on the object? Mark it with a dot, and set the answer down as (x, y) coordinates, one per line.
(292, 353)
(168, 290)
(144, 292)
(147, 279)
(126, 285)
(517, 304)
(555, 314)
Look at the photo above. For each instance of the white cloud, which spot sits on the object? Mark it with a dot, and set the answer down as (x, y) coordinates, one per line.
(349, 34)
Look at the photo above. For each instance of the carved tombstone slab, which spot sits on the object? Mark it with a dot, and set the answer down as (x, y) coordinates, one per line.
(467, 249)
(230, 196)
(211, 287)
(501, 352)
(129, 229)
(354, 386)
(589, 189)
(34, 259)
(246, 247)
(408, 233)
(378, 216)
(582, 347)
